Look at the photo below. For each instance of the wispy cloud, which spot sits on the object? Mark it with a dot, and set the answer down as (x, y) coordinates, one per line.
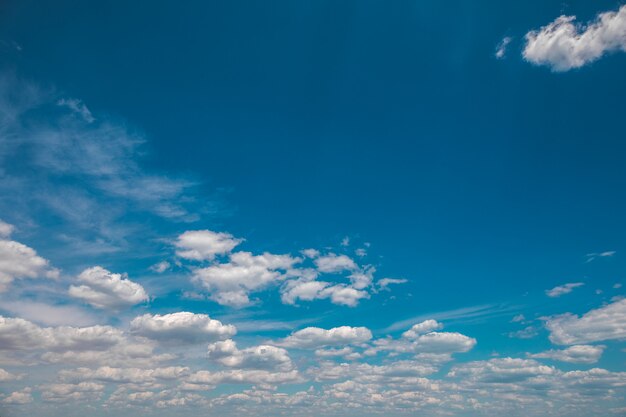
(466, 314)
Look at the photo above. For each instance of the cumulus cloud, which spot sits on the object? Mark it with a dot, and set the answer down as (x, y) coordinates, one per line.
(564, 44)
(204, 245)
(104, 289)
(61, 393)
(18, 261)
(315, 337)
(179, 327)
(255, 357)
(231, 283)
(160, 267)
(573, 354)
(604, 323)
(563, 289)
(384, 283)
(418, 329)
(332, 263)
(19, 397)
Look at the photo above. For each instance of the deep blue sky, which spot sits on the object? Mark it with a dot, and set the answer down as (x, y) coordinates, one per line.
(482, 181)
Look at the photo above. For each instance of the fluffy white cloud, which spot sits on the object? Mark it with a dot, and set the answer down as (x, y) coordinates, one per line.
(243, 376)
(314, 337)
(426, 326)
(604, 323)
(255, 357)
(104, 289)
(332, 263)
(19, 261)
(573, 354)
(231, 283)
(564, 45)
(160, 267)
(65, 344)
(203, 245)
(61, 393)
(123, 375)
(181, 327)
(505, 370)
(19, 397)
(563, 289)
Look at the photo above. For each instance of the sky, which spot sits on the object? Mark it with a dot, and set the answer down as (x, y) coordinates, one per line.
(312, 208)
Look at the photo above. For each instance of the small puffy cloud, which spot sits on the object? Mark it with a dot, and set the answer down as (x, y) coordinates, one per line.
(563, 289)
(104, 289)
(315, 337)
(204, 245)
(424, 327)
(6, 229)
(256, 357)
(563, 44)
(518, 318)
(310, 253)
(344, 295)
(604, 323)
(160, 267)
(574, 354)
(526, 333)
(18, 261)
(231, 283)
(502, 46)
(304, 290)
(19, 397)
(332, 263)
(181, 327)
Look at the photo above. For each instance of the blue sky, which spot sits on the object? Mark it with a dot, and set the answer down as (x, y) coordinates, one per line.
(312, 208)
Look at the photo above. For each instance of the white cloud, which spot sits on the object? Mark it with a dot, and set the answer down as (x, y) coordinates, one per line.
(332, 263)
(255, 357)
(231, 283)
(78, 107)
(592, 256)
(205, 245)
(310, 253)
(418, 329)
(344, 295)
(61, 393)
(160, 267)
(243, 376)
(51, 315)
(604, 323)
(502, 47)
(573, 354)
(315, 337)
(19, 397)
(384, 283)
(123, 375)
(564, 45)
(6, 229)
(563, 289)
(106, 290)
(18, 261)
(7, 376)
(181, 327)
